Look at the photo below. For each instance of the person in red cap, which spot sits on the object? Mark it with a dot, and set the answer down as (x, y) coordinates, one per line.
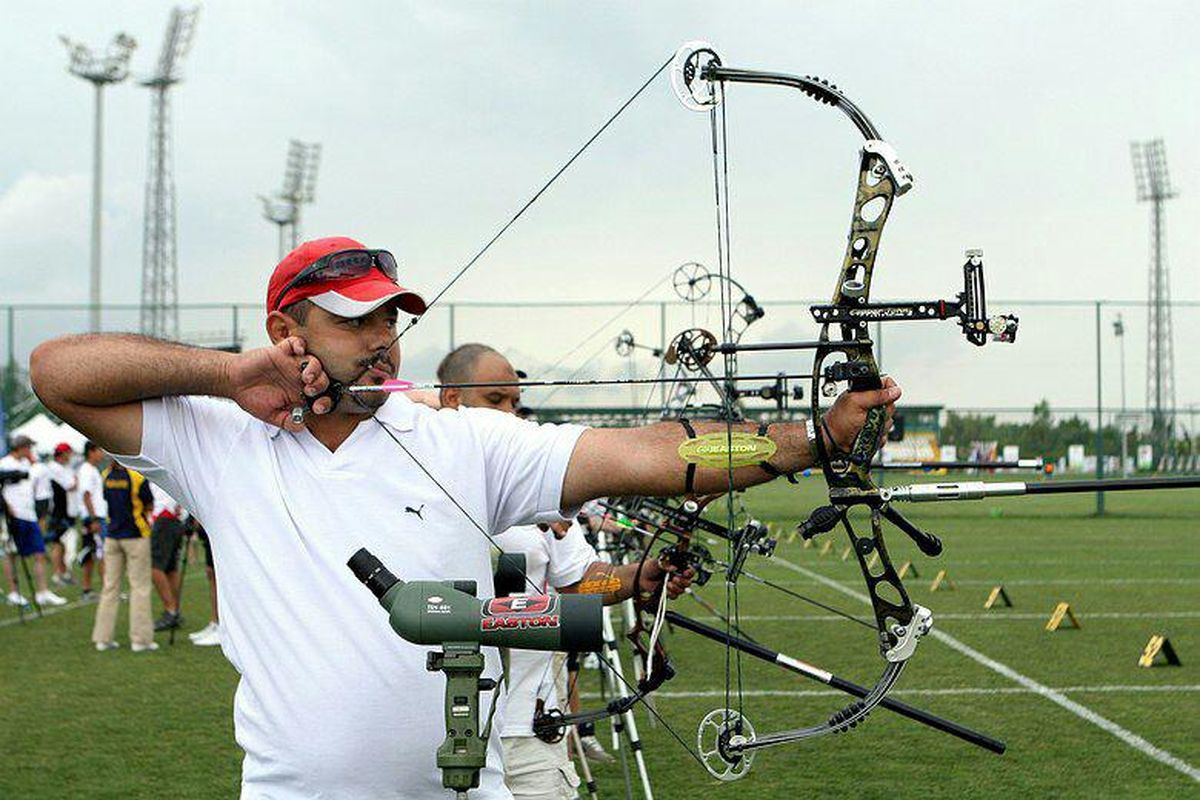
(331, 703)
(60, 515)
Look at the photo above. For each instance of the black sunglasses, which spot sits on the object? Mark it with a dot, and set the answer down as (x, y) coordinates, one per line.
(339, 265)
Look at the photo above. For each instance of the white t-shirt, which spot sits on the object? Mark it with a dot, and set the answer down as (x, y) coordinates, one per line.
(163, 502)
(39, 473)
(550, 563)
(332, 703)
(65, 477)
(91, 483)
(19, 495)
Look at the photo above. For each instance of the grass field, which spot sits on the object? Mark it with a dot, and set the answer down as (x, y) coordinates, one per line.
(117, 725)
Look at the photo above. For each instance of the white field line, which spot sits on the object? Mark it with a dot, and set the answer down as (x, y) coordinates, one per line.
(49, 611)
(998, 615)
(964, 690)
(1127, 562)
(1054, 695)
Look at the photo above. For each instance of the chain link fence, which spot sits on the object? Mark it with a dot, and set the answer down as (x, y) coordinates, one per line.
(1068, 353)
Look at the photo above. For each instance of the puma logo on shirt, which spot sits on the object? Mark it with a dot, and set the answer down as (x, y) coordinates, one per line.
(417, 511)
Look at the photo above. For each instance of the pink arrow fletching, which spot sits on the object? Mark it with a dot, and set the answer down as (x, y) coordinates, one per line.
(395, 385)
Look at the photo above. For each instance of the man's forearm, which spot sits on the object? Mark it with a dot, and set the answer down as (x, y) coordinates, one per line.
(100, 370)
(646, 461)
(614, 583)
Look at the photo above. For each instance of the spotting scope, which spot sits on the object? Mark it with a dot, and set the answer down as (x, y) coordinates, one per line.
(448, 614)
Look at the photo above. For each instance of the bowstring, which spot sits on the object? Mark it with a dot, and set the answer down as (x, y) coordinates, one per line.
(718, 131)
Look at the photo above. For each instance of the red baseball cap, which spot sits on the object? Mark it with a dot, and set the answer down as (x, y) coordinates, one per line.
(347, 297)
(62, 447)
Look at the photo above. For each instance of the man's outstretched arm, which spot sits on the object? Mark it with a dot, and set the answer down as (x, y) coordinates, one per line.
(610, 462)
(96, 382)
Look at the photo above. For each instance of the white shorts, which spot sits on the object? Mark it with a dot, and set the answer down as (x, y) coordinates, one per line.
(535, 770)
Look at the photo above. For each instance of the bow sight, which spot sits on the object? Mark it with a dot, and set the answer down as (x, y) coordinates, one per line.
(970, 308)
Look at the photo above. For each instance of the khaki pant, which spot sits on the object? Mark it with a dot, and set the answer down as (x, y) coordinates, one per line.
(535, 770)
(120, 554)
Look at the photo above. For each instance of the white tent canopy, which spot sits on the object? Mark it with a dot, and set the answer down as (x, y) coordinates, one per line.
(46, 434)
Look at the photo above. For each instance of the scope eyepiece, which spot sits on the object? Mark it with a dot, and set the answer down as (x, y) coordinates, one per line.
(371, 571)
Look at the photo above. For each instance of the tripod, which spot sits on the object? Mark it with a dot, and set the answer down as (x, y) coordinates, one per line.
(623, 724)
(188, 532)
(13, 554)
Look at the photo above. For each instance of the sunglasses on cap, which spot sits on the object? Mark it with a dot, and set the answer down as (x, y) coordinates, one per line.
(340, 265)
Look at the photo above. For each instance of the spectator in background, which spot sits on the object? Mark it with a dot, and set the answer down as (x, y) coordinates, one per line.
(62, 482)
(126, 548)
(166, 534)
(210, 634)
(23, 524)
(95, 517)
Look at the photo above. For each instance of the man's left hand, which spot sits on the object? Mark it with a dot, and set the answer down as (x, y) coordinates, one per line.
(655, 571)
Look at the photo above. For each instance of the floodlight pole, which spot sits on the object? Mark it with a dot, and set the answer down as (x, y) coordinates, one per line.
(97, 178)
(112, 67)
(1099, 418)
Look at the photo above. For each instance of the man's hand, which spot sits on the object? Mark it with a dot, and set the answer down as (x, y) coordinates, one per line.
(849, 413)
(654, 572)
(269, 382)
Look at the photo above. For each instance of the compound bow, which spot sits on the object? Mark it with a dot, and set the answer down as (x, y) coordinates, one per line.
(699, 78)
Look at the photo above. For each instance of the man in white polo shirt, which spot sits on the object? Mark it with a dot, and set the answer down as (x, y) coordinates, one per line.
(331, 702)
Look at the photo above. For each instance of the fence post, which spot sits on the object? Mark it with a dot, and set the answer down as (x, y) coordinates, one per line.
(12, 349)
(1099, 419)
(662, 348)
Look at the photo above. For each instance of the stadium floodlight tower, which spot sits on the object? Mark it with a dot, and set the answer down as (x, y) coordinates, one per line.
(160, 292)
(99, 70)
(1154, 187)
(299, 189)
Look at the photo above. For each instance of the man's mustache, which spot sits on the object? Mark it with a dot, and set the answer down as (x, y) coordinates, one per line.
(378, 358)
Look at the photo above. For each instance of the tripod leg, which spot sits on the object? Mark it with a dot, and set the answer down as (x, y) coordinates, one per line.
(32, 587)
(629, 723)
(588, 780)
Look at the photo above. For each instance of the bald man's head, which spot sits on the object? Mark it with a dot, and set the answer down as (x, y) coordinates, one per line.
(478, 363)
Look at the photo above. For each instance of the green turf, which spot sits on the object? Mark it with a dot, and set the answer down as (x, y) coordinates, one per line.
(98, 725)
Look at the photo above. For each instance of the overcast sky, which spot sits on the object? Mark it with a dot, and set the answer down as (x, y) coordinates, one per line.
(439, 119)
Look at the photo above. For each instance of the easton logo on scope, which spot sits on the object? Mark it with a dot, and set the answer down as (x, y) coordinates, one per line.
(539, 611)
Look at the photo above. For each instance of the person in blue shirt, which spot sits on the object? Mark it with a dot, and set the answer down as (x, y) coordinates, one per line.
(126, 549)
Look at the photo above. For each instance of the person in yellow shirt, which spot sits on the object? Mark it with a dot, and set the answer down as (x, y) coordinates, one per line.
(126, 549)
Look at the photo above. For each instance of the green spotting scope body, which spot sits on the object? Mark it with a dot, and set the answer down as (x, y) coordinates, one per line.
(437, 612)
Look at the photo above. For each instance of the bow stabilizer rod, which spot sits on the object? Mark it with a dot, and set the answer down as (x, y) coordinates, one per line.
(978, 490)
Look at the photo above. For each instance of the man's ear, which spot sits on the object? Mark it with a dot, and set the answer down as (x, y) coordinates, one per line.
(450, 398)
(280, 326)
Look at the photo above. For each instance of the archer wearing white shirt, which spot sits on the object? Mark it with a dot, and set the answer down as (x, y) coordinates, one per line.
(62, 483)
(331, 703)
(94, 509)
(17, 497)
